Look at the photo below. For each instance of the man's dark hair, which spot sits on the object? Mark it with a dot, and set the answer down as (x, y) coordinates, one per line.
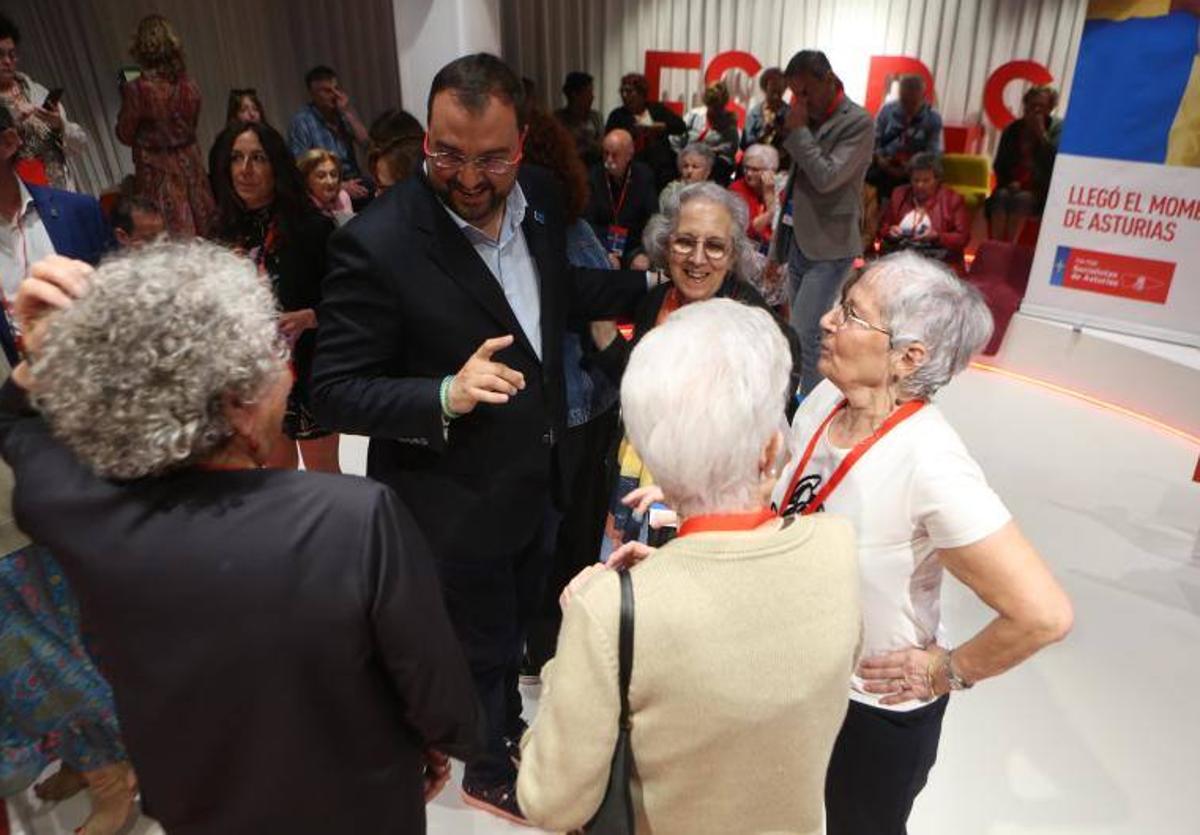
(127, 204)
(575, 82)
(319, 73)
(809, 62)
(767, 75)
(476, 78)
(8, 29)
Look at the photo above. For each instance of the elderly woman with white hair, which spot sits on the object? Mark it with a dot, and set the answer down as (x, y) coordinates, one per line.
(699, 237)
(695, 163)
(745, 626)
(873, 448)
(758, 188)
(275, 639)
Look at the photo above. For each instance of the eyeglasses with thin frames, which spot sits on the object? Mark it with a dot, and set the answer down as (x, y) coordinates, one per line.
(715, 250)
(844, 314)
(449, 162)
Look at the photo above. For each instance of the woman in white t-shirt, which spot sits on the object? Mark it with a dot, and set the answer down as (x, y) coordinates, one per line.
(870, 446)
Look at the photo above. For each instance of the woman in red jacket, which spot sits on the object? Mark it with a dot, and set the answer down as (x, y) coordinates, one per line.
(925, 216)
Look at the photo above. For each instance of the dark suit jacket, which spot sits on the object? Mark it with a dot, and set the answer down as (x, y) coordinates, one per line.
(275, 639)
(406, 302)
(641, 203)
(77, 229)
(76, 225)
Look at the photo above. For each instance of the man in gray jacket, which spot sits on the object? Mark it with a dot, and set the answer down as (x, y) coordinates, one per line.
(830, 140)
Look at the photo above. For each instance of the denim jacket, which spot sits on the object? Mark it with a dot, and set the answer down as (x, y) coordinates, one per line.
(589, 391)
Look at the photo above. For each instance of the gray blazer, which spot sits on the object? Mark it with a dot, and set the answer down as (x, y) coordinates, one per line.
(828, 167)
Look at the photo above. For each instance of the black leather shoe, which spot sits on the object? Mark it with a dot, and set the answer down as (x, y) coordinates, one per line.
(500, 800)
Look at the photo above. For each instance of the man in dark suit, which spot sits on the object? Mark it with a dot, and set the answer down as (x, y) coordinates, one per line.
(440, 337)
(36, 221)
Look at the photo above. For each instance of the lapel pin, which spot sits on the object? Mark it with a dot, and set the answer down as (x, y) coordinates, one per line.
(539, 217)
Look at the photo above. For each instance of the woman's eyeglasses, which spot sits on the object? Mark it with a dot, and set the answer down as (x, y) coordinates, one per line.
(449, 162)
(844, 313)
(715, 249)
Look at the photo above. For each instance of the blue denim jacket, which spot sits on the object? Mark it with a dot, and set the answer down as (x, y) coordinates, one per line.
(589, 391)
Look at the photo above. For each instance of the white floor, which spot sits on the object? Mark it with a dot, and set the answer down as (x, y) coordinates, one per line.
(1097, 735)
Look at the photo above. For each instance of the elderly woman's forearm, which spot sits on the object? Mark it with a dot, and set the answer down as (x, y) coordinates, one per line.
(1006, 642)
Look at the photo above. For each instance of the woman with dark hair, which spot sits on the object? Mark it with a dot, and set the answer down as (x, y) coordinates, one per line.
(265, 212)
(394, 148)
(591, 395)
(158, 117)
(245, 106)
(650, 123)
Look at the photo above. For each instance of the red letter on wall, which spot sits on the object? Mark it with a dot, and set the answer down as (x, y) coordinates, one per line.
(657, 61)
(886, 67)
(993, 91)
(732, 60)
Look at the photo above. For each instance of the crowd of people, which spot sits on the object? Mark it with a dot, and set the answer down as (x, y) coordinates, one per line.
(321, 644)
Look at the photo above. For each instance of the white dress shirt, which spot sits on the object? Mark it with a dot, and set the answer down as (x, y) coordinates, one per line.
(511, 264)
(22, 243)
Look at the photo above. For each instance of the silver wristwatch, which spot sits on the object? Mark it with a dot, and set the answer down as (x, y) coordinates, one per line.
(955, 681)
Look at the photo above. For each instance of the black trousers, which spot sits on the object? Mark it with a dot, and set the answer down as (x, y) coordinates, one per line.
(880, 763)
(491, 603)
(586, 450)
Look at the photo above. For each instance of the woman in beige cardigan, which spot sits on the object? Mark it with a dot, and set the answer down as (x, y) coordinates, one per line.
(746, 626)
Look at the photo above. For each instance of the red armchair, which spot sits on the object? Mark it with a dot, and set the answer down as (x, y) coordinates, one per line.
(1001, 272)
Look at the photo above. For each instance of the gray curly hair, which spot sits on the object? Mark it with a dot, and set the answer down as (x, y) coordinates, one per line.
(134, 375)
(657, 237)
(921, 300)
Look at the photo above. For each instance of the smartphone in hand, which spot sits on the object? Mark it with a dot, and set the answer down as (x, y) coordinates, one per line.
(53, 99)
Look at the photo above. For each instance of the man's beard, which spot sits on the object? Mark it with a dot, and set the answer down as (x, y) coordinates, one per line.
(450, 194)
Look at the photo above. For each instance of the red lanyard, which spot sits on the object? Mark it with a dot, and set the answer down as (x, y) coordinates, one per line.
(725, 522)
(619, 204)
(893, 420)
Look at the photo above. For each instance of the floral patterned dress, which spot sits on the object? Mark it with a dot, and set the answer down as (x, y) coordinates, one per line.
(158, 120)
(54, 704)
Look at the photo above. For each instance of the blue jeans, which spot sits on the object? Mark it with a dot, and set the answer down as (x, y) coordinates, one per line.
(812, 287)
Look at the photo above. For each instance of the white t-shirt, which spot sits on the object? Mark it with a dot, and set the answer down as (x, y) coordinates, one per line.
(915, 491)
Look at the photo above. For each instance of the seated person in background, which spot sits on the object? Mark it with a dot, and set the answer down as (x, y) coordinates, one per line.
(650, 123)
(695, 166)
(244, 106)
(1023, 163)
(746, 627)
(925, 216)
(765, 119)
(714, 126)
(394, 151)
(322, 173)
(904, 127)
(136, 221)
(757, 186)
(214, 582)
(328, 121)
(623, 198)
(585, 124)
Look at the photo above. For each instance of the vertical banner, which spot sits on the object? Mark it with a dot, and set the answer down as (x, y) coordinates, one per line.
(1119, 246)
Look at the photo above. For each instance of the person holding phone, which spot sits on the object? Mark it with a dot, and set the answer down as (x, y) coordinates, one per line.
(48, 137)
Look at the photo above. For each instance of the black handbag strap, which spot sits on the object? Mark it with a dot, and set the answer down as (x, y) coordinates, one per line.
(625, 646)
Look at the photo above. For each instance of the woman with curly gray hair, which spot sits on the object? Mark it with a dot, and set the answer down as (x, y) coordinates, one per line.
(699, 237)
(275, 639)
(877, 451)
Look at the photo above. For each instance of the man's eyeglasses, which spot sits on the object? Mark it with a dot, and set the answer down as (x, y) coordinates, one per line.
(715, 249)
(450, 162)
(844, 313)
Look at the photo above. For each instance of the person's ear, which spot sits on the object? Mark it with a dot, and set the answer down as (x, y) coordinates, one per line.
(123, 237)
(909, 358)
